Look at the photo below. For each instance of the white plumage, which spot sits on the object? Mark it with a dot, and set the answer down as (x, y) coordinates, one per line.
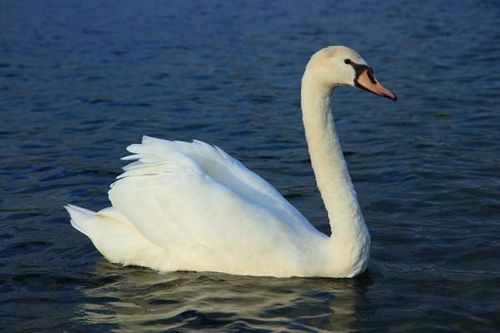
(232, 215)
(190, 206)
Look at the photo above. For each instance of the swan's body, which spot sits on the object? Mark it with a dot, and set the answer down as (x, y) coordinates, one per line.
(190, 206)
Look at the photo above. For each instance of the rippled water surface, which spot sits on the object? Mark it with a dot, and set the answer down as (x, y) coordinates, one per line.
(81, 80)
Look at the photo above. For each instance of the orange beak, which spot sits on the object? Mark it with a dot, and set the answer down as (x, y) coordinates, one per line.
(367, 81)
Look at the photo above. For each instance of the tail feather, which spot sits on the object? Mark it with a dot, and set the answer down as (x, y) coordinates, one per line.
(116, 238)
(80, 217)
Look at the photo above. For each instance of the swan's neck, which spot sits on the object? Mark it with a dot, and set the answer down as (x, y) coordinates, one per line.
(346, 220)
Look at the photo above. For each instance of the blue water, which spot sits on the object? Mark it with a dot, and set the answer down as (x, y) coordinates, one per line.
(81, 80)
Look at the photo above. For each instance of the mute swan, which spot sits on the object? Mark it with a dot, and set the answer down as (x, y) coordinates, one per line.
(191, 206)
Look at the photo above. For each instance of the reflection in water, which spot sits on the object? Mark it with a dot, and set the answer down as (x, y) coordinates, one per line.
(136, 299)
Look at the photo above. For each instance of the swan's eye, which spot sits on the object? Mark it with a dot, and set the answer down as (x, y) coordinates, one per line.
(347, 61)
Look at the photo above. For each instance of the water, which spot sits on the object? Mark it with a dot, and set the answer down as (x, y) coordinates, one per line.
(81, 80)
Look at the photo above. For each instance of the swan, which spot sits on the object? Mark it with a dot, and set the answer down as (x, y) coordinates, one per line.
(189, 206)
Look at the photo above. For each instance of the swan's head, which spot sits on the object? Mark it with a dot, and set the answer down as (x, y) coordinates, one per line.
(339, 65)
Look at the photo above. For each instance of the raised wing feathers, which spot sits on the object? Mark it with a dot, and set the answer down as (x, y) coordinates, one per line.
(194, 196)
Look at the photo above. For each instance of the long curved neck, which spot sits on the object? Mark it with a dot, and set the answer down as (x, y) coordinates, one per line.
(330, 169)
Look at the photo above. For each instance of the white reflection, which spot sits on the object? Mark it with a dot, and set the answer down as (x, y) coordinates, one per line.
(133, 299)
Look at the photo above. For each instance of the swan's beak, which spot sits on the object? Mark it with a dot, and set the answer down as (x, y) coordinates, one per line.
(367, 81)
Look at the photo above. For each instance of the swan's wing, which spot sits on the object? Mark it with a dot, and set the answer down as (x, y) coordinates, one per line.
(183, 195)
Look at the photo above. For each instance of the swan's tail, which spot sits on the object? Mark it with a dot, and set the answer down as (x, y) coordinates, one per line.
(80, 218)
(115, 237)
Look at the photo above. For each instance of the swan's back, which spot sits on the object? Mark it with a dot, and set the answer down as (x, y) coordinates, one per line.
(197, 157)
(207, 211)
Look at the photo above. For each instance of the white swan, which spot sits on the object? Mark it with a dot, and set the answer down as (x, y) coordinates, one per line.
(190, 206)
